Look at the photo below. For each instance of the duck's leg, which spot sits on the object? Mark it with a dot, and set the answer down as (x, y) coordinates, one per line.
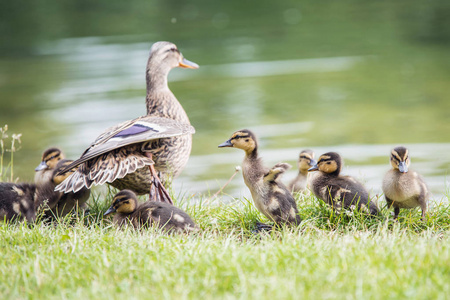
(157, 190)
(396, 212)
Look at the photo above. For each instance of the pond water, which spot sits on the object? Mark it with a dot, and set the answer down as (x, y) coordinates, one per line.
(349, 77)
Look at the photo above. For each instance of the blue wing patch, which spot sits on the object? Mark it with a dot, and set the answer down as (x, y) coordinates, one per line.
(135, 129)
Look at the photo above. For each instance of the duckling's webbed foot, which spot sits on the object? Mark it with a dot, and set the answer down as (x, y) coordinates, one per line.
(262, 227)
(157, 190)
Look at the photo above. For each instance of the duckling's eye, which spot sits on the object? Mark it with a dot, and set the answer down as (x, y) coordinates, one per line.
(328, 162)
(247, 140)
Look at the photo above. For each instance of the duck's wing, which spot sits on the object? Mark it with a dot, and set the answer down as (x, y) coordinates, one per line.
(276, 171)
(141, 129)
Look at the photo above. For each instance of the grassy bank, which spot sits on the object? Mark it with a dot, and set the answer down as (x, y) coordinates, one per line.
(328, 256)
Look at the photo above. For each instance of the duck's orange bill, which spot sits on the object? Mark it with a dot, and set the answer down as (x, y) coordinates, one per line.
(188, 64)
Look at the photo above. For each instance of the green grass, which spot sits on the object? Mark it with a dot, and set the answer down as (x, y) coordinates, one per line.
(328, 256)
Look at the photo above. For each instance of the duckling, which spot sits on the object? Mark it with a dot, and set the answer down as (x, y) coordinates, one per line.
(53, 159)
(68, 202)
(270, 195)
(23, 200)
(337, 190)
(145, 153)
(150, 213)
(305, 161)
(404, 188)
(44, 170)
(17, 201)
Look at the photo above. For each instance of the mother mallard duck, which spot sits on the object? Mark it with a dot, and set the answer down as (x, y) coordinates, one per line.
(144, 153)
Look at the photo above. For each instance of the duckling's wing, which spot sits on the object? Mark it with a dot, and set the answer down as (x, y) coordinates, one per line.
(276, 171)
(131, 132)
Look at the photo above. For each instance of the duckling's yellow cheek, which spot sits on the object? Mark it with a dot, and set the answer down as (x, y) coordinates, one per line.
(394, 164)
(125, 208)
(328, 167)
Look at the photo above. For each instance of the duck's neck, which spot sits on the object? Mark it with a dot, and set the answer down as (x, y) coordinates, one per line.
(303, 173)
(156, 77)
(251, 154)
(160, 101)
(252, 166)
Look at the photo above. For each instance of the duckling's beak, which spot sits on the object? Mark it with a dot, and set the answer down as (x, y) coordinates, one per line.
(315, 167)
(402, 167)
(312, 162)
(110, 211)
(188, 64)
(226, 144)
(42, 166)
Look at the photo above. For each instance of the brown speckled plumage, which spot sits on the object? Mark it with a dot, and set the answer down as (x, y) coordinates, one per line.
(151, 213)
(337, 190)
(269, 194)
(23, 200)
(69, 202)
(17, 201)
(52, 162)
(126, 164)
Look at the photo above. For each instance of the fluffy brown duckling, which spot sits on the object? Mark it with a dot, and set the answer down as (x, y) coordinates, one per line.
(44, 170)
(68, 202)
(270, 195)
(404, 188)
(151, 213)
(17, 201)
(305, 161)
(23, 200)
(53, 159)
(337, 190)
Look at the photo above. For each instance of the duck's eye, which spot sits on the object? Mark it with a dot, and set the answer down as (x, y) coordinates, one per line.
(247, 140)
(328, 162)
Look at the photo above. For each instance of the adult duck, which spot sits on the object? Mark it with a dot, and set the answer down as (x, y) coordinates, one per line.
(144, 153)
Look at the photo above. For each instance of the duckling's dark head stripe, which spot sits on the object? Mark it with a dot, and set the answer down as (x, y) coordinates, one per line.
(399, 154)
(135, 129)
(242, 134)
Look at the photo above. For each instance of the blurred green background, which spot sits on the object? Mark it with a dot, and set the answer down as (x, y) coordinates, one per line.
(358, 77)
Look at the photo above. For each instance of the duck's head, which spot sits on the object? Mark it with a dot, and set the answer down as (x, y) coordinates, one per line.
(243, 139)
(330, 163)
(124, 202)
(400, 159)
(306, 160)
(166, 56)
(61, 165)
(50, 158)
